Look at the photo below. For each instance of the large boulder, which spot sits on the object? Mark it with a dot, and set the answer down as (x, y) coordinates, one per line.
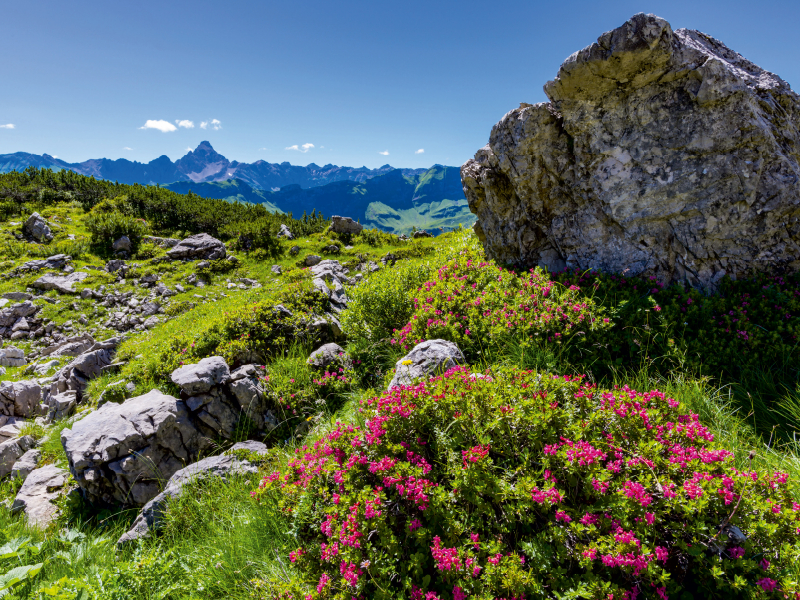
(37, 228)
(120, 453)
(345, 225)
(200, 246)
(431, 357)
(219, 399)
(150, 518)
(660, 153)
(61, 283)
(37, 495)
(20, 398)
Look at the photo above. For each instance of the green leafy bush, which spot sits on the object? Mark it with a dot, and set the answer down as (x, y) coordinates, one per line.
(107, 227)
(602, 492)
(381, 304)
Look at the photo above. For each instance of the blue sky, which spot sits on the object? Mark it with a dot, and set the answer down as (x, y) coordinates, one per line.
(354, 79)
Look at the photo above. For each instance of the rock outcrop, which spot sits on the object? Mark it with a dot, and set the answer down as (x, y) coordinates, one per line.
(61, 283)
(660, 153)
(329, 278)
(122, 453)
(37, 228)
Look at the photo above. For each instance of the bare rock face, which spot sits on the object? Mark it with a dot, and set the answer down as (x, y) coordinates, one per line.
(660, 153)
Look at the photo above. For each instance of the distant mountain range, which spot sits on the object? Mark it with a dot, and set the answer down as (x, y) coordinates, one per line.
(201, 165)
(395, 200)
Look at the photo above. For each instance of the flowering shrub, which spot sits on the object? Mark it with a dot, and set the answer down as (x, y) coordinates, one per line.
(609, 320)
(473, 302)
(517, 484)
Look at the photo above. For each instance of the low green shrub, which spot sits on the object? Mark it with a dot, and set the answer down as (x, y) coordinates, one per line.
(107, 227)
(602, 494)
(376, 238)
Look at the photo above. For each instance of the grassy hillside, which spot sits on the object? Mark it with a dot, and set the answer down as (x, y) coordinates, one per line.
(550, 484)
(392, 202)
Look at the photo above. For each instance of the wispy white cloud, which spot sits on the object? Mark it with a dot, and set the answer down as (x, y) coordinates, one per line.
(7, 126)
(185, 123)
(420, 151)
(161, 125)
(384, 153)
(126, 148)
(303, 148)
(212, 124)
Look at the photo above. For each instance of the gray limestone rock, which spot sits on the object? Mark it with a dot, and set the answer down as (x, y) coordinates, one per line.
(60, 283)
(285, 233)
(345, 225)
(20, 398)
(200, 246)
(37, 228)
(660, 153)
(251, 400)
(55, 262)
(123, 244)
(11, 314)
(201, 377)
(12, 450)
(12, 357)
(35, 497)
(26, 464)
(17, 296)
(162, 242)
(121, 453)
(311, 259)
(150, 518)
(329, 357)
(276, 269)
(329, 278)
(427, 358)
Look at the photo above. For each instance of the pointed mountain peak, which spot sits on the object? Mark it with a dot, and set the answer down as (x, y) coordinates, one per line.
(204, 145)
